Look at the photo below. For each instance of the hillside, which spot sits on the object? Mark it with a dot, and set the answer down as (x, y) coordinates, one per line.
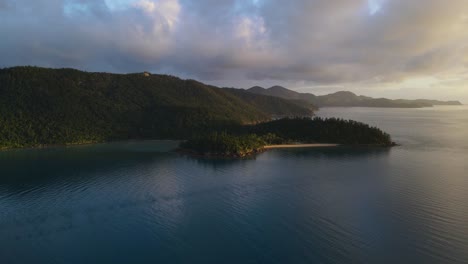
(274, 105)
(40, 106)
(347, 99)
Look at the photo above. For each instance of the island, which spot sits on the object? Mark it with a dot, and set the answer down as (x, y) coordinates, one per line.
(285, 133)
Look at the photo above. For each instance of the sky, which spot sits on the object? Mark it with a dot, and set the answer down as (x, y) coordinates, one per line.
(382, 48)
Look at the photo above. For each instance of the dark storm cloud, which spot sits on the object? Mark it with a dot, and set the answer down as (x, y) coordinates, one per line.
(311, 41)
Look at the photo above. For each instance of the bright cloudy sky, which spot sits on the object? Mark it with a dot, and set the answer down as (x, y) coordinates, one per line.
(392, 48)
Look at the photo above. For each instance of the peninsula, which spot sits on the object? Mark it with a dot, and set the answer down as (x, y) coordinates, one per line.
(43, 107)
(286, 133)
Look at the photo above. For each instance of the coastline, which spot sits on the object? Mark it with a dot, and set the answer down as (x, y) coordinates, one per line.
(195, 153)
(263, 149)
(88, 143)
(317, 145)
(48, 146)
(253, 152)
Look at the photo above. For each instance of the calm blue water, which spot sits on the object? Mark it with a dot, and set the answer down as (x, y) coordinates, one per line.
(137, 203)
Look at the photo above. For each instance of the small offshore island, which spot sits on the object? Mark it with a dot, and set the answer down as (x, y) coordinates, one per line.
(285, 133)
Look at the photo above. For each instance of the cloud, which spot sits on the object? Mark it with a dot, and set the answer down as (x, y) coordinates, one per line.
(308, 41)
(3, 4)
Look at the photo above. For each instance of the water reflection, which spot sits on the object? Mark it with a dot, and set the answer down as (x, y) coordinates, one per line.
(129, 204)
(344, 152)
(335, 153)
(36, 165)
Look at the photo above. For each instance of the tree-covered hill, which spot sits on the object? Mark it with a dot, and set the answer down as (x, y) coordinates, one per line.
(250, 139)
(40, 106)
(324, 130)
(274, 105)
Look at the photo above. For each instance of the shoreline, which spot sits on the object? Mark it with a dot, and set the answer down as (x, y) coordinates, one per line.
(194, 153)
(50, 146)
(254, 152)
(83, 144)
(316, 145)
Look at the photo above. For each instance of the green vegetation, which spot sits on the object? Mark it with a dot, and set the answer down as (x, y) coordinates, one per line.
(250, 139)
(274, 105)
(224, 144)
(41, 106)
(324, 130)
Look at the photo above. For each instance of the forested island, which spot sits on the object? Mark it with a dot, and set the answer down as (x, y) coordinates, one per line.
(43, 107)
(250, 139)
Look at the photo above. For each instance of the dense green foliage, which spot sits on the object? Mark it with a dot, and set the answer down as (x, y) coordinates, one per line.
(274, 105)
(252, 138)
(320, 130)
(41, 106)
(44, 106)
(224, 144)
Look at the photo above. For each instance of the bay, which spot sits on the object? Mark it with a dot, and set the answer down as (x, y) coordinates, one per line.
(139, 202)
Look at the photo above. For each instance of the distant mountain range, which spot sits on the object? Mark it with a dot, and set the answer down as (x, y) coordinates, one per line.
(347, 99)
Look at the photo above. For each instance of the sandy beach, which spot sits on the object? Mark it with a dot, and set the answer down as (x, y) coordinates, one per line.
(301, 146)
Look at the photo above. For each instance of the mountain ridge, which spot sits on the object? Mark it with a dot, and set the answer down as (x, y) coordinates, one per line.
(347, 99)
